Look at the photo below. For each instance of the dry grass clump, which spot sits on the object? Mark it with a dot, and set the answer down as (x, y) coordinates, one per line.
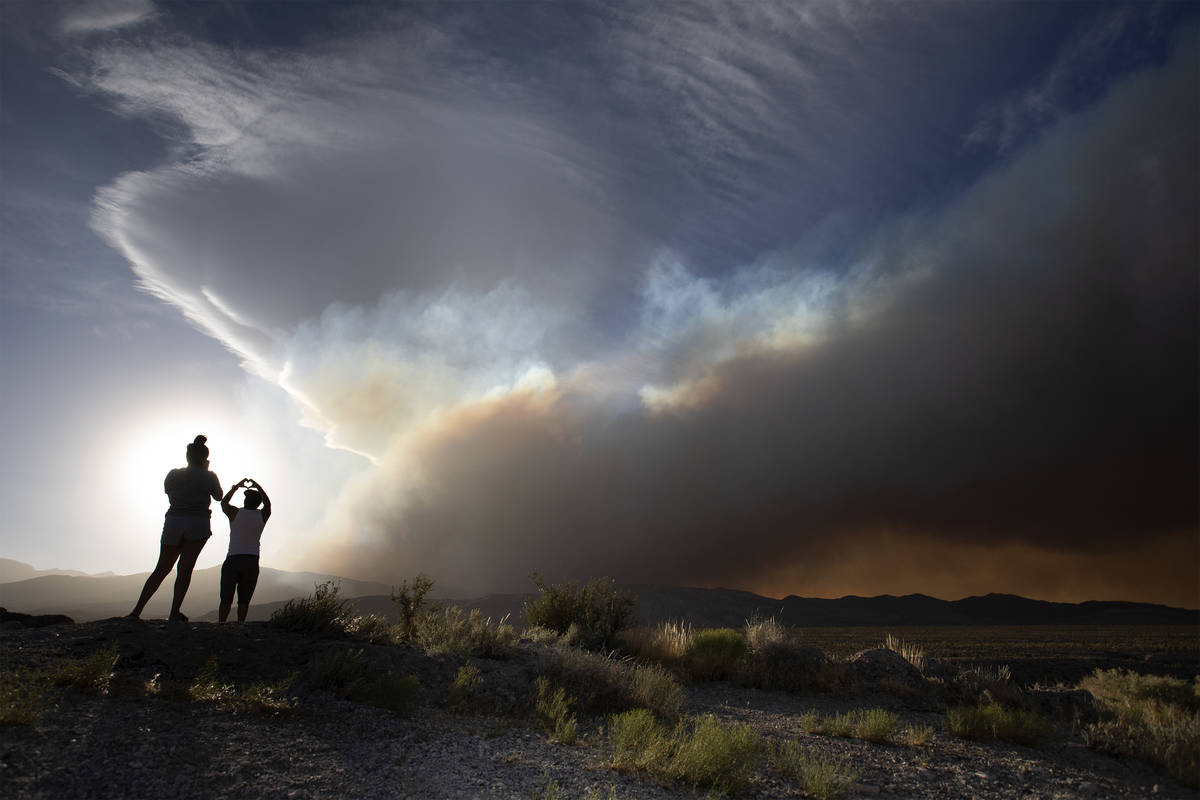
(321, 611)
(714, 653)
(602, 684)
(824, 777)
(701, 753)
(465, 634)
(207, 687)
(1150, 716)
(372, 628)
(911, 653)
(762, 632)
(539, 635)
(92, 671)
(463, 687)
(994, 721)
(596, 610)
(665, 643)
(26, 694)
(983, 685)
(871, 724)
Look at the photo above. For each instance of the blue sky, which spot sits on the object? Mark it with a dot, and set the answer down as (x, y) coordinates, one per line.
(813, 298)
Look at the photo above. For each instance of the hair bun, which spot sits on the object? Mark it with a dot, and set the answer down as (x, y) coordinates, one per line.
(201, 439)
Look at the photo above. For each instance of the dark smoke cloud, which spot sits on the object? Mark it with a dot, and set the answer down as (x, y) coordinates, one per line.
(1024, 375)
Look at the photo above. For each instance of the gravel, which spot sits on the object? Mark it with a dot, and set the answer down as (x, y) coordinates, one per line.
(129, 744)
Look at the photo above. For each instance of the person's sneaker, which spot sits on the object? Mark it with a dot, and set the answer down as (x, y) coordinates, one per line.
(178, 617)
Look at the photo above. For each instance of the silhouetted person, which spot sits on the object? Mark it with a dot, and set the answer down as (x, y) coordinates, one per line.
(186, 527)
(240, 570)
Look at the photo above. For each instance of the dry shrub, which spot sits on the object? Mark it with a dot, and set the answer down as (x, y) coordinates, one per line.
(983, 685)
(372, 628)
(763, 631)
(786, 666)
(994, 721)
(596, 609)
(321, 611)
(1150, 716)
(665, 643)
(465, 634)
(602, 684)
(911, 653)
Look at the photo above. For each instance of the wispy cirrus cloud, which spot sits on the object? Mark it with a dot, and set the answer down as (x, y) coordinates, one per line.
(92, 16)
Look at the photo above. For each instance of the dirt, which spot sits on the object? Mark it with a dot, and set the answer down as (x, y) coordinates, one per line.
(131, 743)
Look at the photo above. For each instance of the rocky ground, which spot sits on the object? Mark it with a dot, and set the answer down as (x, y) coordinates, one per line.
(132, 743)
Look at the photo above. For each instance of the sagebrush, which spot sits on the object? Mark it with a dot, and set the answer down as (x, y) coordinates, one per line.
(596, 609)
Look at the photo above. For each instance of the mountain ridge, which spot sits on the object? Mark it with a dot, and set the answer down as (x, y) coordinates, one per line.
(88, 597)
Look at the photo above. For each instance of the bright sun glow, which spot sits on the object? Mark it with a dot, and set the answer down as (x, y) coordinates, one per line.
(144, 455)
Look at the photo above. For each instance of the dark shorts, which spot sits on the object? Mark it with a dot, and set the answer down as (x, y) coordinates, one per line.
(177, 529)
(240, 572)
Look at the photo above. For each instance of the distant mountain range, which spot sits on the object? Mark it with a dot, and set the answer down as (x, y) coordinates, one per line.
(18, 571)
(87, 597)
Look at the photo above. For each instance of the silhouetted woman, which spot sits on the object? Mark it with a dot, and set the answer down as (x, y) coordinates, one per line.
(186, 527)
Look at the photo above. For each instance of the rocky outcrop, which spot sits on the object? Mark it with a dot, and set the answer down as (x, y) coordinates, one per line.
(883, 670)
(15, 619)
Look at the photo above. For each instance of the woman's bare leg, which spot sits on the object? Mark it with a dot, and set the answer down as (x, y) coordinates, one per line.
(166, 559)
(183, 573)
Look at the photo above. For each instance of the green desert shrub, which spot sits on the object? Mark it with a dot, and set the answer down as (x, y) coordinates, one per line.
(1150, 716)
(603, 684)
(653, 687)
(465, 634)
(714, 653)
(463, 687)
(876, 725)
(596, 609)
(411, 606)
(321, 611)
(701, 753)
(871, 724)
(638, 741)
(553, 708)
(824, 777)
(994, 721)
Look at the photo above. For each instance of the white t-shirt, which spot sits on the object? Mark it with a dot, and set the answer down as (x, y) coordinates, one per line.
(245, 531)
